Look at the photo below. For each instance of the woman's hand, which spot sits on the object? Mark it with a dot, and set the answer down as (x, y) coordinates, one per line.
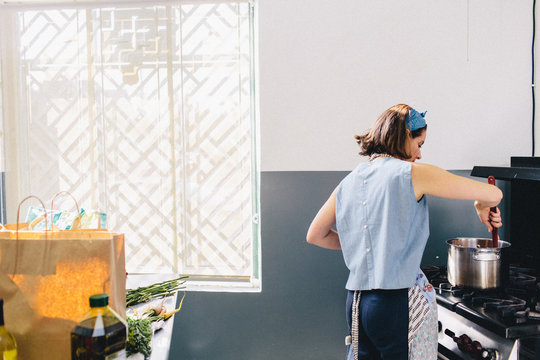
(495, 218)
(492, 219)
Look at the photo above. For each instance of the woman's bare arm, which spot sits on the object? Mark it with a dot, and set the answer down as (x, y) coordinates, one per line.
(434, 181)
(320, 231)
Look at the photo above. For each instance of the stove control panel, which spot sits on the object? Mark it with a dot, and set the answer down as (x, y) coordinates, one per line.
(466, 340)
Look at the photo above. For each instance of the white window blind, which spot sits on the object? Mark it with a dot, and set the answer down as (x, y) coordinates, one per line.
(144, 111)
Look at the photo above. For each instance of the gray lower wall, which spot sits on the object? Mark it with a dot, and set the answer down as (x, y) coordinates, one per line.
(300, 312)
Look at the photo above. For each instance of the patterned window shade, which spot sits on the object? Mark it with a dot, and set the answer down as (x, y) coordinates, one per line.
(145, 112)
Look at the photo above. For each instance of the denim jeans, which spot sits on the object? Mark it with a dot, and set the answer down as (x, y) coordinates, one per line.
(383, 324)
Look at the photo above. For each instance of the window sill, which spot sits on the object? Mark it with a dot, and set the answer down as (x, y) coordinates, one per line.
(253, 286)
(201, 284)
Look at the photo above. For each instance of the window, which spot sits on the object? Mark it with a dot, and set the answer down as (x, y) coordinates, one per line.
(145, 111)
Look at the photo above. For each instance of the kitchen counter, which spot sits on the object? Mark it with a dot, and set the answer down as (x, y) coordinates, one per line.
(161, 341)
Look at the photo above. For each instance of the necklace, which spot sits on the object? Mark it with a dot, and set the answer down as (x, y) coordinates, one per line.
(376, 156)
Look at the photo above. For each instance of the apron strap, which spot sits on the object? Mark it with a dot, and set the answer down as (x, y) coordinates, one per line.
(355, 325)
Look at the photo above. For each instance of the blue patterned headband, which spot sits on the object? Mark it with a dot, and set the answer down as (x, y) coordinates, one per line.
(415, 120)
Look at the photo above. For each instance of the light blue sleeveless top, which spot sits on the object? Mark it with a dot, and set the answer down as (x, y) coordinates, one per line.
(382, 229)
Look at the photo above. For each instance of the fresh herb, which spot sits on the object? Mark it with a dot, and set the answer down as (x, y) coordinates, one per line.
(139, 336)
(140, 329)
(146, 293)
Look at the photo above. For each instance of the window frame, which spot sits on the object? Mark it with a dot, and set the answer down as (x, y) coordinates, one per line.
(14, 174)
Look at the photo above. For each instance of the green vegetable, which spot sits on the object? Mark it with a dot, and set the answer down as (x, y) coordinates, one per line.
(147, 293)
(140, 330)
(140, 335)
(140, 326)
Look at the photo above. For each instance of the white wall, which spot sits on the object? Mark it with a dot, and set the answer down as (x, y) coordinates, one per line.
(328, 68)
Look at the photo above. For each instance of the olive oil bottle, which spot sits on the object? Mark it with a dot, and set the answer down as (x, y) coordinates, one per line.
(8, 347)
(101, 335)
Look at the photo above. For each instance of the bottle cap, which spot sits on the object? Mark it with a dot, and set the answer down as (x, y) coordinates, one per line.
(99, 300)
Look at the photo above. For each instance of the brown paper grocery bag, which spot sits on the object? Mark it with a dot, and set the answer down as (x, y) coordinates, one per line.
(46, 279)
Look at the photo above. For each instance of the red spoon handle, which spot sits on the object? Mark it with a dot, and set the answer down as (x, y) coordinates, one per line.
(494, 232)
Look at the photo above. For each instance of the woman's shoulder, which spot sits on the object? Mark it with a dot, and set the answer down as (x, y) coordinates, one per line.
(403, 165)
(424, 169)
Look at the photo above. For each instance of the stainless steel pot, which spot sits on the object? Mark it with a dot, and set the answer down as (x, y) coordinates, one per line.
(474, 263)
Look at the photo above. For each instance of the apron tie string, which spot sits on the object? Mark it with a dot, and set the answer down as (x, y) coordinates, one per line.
(355, 325)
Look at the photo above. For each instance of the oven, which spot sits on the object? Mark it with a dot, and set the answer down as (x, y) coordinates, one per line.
(488, 324)
(502, 323)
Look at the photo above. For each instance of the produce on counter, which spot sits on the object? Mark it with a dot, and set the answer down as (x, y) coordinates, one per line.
(146, 293)
(139, 336)
(143, 323)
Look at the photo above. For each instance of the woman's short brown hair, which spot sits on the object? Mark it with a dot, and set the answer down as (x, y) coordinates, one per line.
(389, 133)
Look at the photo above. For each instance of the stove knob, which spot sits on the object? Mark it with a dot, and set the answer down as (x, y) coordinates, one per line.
(465, 339)
(464, 343)
(489, 354)
(476, 350)
(472, 348)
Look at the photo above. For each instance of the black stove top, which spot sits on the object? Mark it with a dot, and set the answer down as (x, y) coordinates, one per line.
(511, 312)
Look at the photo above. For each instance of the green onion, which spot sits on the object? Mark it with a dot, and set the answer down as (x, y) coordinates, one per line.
(146, 293)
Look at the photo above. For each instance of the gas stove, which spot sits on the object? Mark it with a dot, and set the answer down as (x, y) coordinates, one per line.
(488, 324)
(503, 323)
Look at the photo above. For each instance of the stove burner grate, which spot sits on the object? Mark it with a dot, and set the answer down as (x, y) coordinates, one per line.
(517, 302)
(507, 307)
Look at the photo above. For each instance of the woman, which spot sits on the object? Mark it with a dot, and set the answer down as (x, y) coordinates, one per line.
(381, 219)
